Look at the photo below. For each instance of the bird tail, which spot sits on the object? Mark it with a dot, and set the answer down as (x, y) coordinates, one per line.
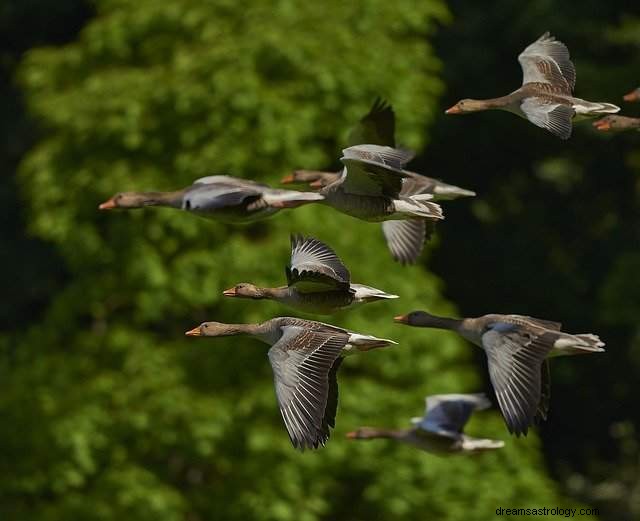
(290, 198)
(367, 342)
(578, 344)
(418, 205)
(445, 191)
(477, 444)
(369, 294)
(591, 108)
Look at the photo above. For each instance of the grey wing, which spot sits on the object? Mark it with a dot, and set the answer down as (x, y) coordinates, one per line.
(405, 239)
(547, 61)
(314, 264)
(378, 127)
(447, 414)
(205, 197)
(515, 358)
(547, 324)
(301, 362)
(417, 184)
(229, 181)
(329, 419)
(374, 170)
(554, 117)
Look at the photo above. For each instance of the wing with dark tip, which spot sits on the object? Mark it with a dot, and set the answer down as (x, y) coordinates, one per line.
(216, 196)
(405, 239)
(447, 414)
(378, 127)
(547, 61)
(374, 170)
(302, 361)
(330, 411)
(315, 266)
(515, 356)
(552, 116)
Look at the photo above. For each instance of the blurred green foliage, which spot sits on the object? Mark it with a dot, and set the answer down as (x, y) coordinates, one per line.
(108, 413)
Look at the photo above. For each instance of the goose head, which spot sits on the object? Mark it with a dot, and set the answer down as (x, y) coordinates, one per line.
(634, 95)
(415, 318)
(213, 329)
(125, 200)
(245, 290)
(467, 105)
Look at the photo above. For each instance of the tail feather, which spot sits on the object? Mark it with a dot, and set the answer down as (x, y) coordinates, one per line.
(290, 198)
(592, 341)
(369, 294)
(591, 108)
(567, 344)
(445, 191)
(415, 206)
(475, 444)
(366, 342)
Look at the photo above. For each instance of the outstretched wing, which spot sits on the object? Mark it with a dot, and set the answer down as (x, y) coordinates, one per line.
(547, 61)
(374, 170)
(405, 239)
(302, 361)
(515, 357)
(552, 116)
(216, 196)
(314, 265)
(447, 414)
(378, 127)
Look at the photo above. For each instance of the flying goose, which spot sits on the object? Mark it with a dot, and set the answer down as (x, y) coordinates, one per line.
(440, 430)
(220, 197)
(318, 282)
(305, 356)
(369, 188)
(617, 123)
(405, 238)
(516, 347)
(546, 96)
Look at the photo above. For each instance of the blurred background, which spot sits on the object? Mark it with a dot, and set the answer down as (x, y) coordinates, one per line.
(109, 412)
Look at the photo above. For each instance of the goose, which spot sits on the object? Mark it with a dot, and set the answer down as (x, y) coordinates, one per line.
(440, 430)
(634, 95)
(221, 197)
(369, 188)
(318, 282)
(546, 96)
(305, 356)
(412, 184)
(517, 347)
(405, 238)
(617, 123)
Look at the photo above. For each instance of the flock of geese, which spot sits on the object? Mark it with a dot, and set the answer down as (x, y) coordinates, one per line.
(374, 185)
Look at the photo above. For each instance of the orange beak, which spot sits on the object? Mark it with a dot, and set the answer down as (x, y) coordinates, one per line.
(287, 179)
(194, 332)
(632, 96)
(602, 125)
(453, 110)
(108, 205)
(316, 184)
(352, 435)
(401, 319)
(231, 292)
